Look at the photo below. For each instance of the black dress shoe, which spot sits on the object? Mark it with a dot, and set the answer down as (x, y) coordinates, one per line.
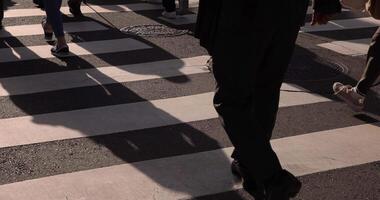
(283, 186)
(249, 184)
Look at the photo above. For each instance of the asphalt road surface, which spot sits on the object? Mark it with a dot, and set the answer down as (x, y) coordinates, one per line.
(128, 117)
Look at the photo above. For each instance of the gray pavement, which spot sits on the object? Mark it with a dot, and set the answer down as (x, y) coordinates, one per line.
(312, 72)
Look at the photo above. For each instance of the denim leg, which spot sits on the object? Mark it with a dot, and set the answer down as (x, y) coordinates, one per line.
(54, 16)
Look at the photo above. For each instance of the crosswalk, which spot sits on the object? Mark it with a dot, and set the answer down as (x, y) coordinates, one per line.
(132, 118)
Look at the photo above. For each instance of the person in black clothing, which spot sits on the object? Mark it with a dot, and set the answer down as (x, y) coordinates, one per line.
(73, 4)
(251, 43)
(1, 13)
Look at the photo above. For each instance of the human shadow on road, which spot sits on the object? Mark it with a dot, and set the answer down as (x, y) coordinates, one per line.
(127, 127)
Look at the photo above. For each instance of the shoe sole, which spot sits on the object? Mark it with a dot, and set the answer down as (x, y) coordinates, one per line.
(350, 104)
(61, 55)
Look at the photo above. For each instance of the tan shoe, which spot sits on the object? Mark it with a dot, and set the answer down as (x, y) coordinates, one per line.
(349, 94)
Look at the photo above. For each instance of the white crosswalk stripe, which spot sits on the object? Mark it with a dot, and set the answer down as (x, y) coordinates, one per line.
(345, 24)
(35, 29)
(29, 12)
(349, 47)
(78, 49)
(167, 172)
(184, 177)
(120, 118)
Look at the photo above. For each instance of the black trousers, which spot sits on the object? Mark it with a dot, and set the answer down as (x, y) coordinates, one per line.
(1, 10)
(252, 51)
(372, 70)
(169, 5)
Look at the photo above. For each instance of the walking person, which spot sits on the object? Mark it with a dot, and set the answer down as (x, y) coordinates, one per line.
(251, 43)
(355, 96)
(74, 6)
(53, 24)
(1, 13)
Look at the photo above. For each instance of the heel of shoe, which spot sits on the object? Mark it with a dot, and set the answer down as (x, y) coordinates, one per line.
(48, 36)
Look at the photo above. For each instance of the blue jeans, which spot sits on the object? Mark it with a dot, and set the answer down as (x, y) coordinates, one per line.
(54, 16)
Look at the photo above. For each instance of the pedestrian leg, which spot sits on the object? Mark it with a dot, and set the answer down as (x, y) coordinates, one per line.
(54, 20)
(372, 70)
(355, 96)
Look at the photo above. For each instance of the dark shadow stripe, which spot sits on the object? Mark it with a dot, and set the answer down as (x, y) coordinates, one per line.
(58, 157)
(41, 66)
(107, 95)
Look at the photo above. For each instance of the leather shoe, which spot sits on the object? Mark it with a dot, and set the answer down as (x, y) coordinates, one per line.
(283, 186)
(249, 184)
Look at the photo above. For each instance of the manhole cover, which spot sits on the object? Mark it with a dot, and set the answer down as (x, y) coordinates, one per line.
(154, 30)
(317, 69)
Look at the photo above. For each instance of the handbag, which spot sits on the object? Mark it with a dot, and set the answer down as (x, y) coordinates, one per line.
(359, 5)
(373, 8)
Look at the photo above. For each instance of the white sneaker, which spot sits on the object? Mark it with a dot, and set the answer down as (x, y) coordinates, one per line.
(349, 95)
(169, 15)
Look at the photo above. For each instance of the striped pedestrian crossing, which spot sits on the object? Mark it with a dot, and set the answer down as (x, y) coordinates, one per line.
(76, 49)
(184, 176)
(35, 29)
(148, 130)
(30, 12)
(349, 47)
(344, 24)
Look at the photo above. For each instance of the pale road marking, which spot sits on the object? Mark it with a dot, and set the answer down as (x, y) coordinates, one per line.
(205, 173)
(104, 75)
(182, 19)
(78, 49)
(364, 22)
(36, 29)
(348, 47)
(311, 11)
(29, 12)
(121, 118)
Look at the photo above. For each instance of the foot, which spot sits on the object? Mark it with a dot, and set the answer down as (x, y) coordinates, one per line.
(60, 51)
(350, 95)
(169, 15)
(48, 30)
(283, 187)
(75, 8)
(249, 184)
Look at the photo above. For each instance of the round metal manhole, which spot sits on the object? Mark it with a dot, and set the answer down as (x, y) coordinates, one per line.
(314, 69)
(153, 30)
